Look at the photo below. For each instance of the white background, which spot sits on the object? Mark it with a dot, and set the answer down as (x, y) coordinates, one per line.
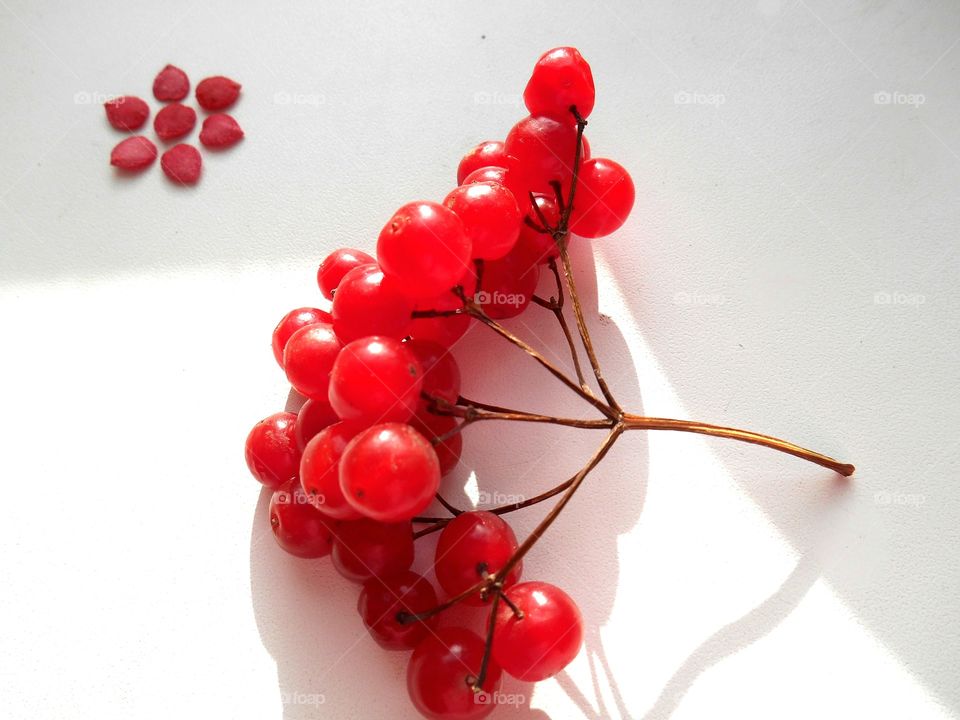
(790, 266)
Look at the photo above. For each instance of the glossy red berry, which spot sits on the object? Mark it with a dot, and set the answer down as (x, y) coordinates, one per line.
(424, 248)
(171, 84)
(134, 153)
(271, 450)
(313, 417)
(298, 527)
(440, 672)
(542, 642)
(217, 93)
(433, 426)
(336, 265)
(544, 151)
(182, 164)
(489, 152)
(320, 469)
(490, 217)
(508, 285)
(365, 548)
(539, 247)
(376, 379)
(561, 78)
(604, 198)
(174, 120)
(389, 472)
(308, 359)
(441, 374)
(220, 131)
(367, 303)
(490, 173)
(293, 321)
(127, 112)
(381, 600)
(468, 541)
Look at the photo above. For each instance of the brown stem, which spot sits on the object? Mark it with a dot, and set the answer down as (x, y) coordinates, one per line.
(477, 683)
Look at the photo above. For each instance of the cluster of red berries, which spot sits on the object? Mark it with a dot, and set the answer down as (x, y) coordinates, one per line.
(366, 452)
(182, 162)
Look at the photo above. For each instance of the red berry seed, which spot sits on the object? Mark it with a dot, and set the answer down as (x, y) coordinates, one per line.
(171, 84)
(127, 112)
(217, 93)
(181, 163)
(135, 153)
(220, 131)
(174, 121)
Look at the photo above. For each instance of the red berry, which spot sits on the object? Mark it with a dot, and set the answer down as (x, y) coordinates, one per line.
(534, 245)
(490, 173)
(175, 120)
(308, 359)
(320, 469)
(425, 248)
(490, 217)
(489, 152)
(445, 330)
(293, 321)
(543, 150)
(376, 379)
(513, 180)
(561, 78)
(171, 84)
(508, 285)
(365, 548)
(441, 374)
(440, 672)
(217, 93)
(134, 153)
(389, 472)
(127, 112)
(271, 450)
(181, 163)
(547, 637)
(604, 198)
(336, 265)
(220, 131)
(367, 303)
(381, 600)
(469, 540)
(298, 527)
(433, 426)
(314, 416)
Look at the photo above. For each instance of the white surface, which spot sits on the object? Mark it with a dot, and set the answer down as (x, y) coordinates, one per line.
(748, 288)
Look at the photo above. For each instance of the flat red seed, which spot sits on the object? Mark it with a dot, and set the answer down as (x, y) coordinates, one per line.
(217, 93)
(181, 163)
(220, 131)
(127, 112)
(175, 120)
(134, 153)
(171, 84)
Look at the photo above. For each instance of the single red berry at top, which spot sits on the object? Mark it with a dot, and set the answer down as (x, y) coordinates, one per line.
(469, 540)
(320, 469)
(441, 374)
(542, 642)
(363, 549)
(314, 416)
(561, 79)
(389, 472)
(271, 450)
(171, 84)
(368, 303)
(489, 152)
(308, 359)
(293, 321)
(182, 164)
(174, 120)
(127, 112)
(424, 248)
(490, 217)
(298, 527)
(381, 600)
(220, 131)
(135, 153)
(336, 265)
(376, 379)
(440, 671)
(604, 198)
(217, 93)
